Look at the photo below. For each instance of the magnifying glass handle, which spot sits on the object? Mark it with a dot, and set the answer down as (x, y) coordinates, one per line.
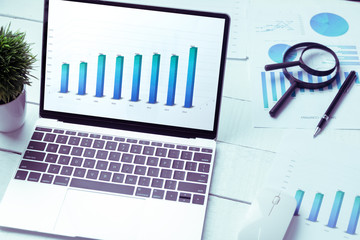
(282, 100)
(274, 66)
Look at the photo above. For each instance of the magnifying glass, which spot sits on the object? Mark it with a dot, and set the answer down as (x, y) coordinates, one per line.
(315, 59)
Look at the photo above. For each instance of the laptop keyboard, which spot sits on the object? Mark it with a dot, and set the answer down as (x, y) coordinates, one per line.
(117, 165)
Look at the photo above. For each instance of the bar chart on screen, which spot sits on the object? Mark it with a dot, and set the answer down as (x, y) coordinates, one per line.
(117, 78)
(146, 66)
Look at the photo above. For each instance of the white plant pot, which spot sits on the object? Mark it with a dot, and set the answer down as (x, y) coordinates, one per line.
(12, 114)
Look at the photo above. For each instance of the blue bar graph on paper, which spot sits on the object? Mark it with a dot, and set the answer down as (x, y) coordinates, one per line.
(320, 81)
(299, 197)
(334, 215)
(330, 85)
(189, 94)
(154, 78)
(136, 78)
(64, 78)
(338, 81)
(354, 218)
(100, 76)
(315, 209)
(82, 78)
(119, 68)
(300, 77)
(282, 83)
(264, 90)
(310, 80)
(273, 86)
(172, 80)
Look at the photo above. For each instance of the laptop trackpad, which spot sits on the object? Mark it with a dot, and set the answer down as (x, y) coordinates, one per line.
(97, 215)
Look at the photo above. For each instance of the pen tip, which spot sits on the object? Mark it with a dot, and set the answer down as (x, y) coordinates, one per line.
(317, 131)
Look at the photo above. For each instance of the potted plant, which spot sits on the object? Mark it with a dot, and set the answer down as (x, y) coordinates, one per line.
(15, 64)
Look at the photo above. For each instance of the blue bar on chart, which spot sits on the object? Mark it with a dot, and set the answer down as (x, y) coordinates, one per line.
(273, 86)
(100, 76)
(154, 78)
(357, 81)
(282, 83)
(354, 218)
(264, 90)
(119, 67)
(299, 197)
(64, 78)
(334, 215)
(82, 78)
(172, 80)
(315, 209)
(310, 80)
(301, 78)
(136, 78)
(189, 94)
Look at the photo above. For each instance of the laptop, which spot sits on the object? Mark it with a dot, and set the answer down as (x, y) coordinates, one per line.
(125, 144)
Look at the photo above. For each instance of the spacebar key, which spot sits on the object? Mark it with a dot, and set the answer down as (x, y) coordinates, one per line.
(102, 186)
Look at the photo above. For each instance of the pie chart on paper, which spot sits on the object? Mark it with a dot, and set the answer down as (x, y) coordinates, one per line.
(329, 24)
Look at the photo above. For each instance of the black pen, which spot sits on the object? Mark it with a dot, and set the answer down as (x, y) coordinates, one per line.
(347, 83)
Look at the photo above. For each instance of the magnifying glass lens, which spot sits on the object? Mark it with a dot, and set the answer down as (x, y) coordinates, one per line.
(318, 59)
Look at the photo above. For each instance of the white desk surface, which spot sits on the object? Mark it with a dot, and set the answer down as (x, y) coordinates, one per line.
(244, 154)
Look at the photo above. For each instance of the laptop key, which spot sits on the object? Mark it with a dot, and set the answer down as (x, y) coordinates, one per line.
(40, 146)
(158, 194)
(79, 172)
(165, 162)
(49, 137)
(179, 175)
(99, 144)
(32, 155)
(34, 176)
(114, 167)
(89, 163)
(52, 158)
(43, 129)
(127, 157)
(136, 148)
(204, 167)
(101, 165)
(191, 187)
(102, 154)
(64, 160)
(198, 199)
(161, 152)
(47, 178)
(118, 178)
(76, 161)
(61, 180)
(21, 175)
(149, 150)
(77, 151)
(102, 186)
(64, 149)
(53, 168)
(185, 155)
(51, 148)
(131, 179)
(105, 176)
(173, 153)
(74, 141)
(92, 174)
(123, 147)
(191, 166)
(144, 181)
(185, 197)
(67, 171)
(143, 192)
(171, 195)
(111, 145)
(197, 177)
(62, 139)
(89, 153)
(37, 136)
(86, 142)
(114, 156)
(170, 184)
(34, 166)
(202, 157)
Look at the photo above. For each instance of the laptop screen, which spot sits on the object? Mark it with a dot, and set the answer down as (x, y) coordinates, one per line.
(133, 65)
